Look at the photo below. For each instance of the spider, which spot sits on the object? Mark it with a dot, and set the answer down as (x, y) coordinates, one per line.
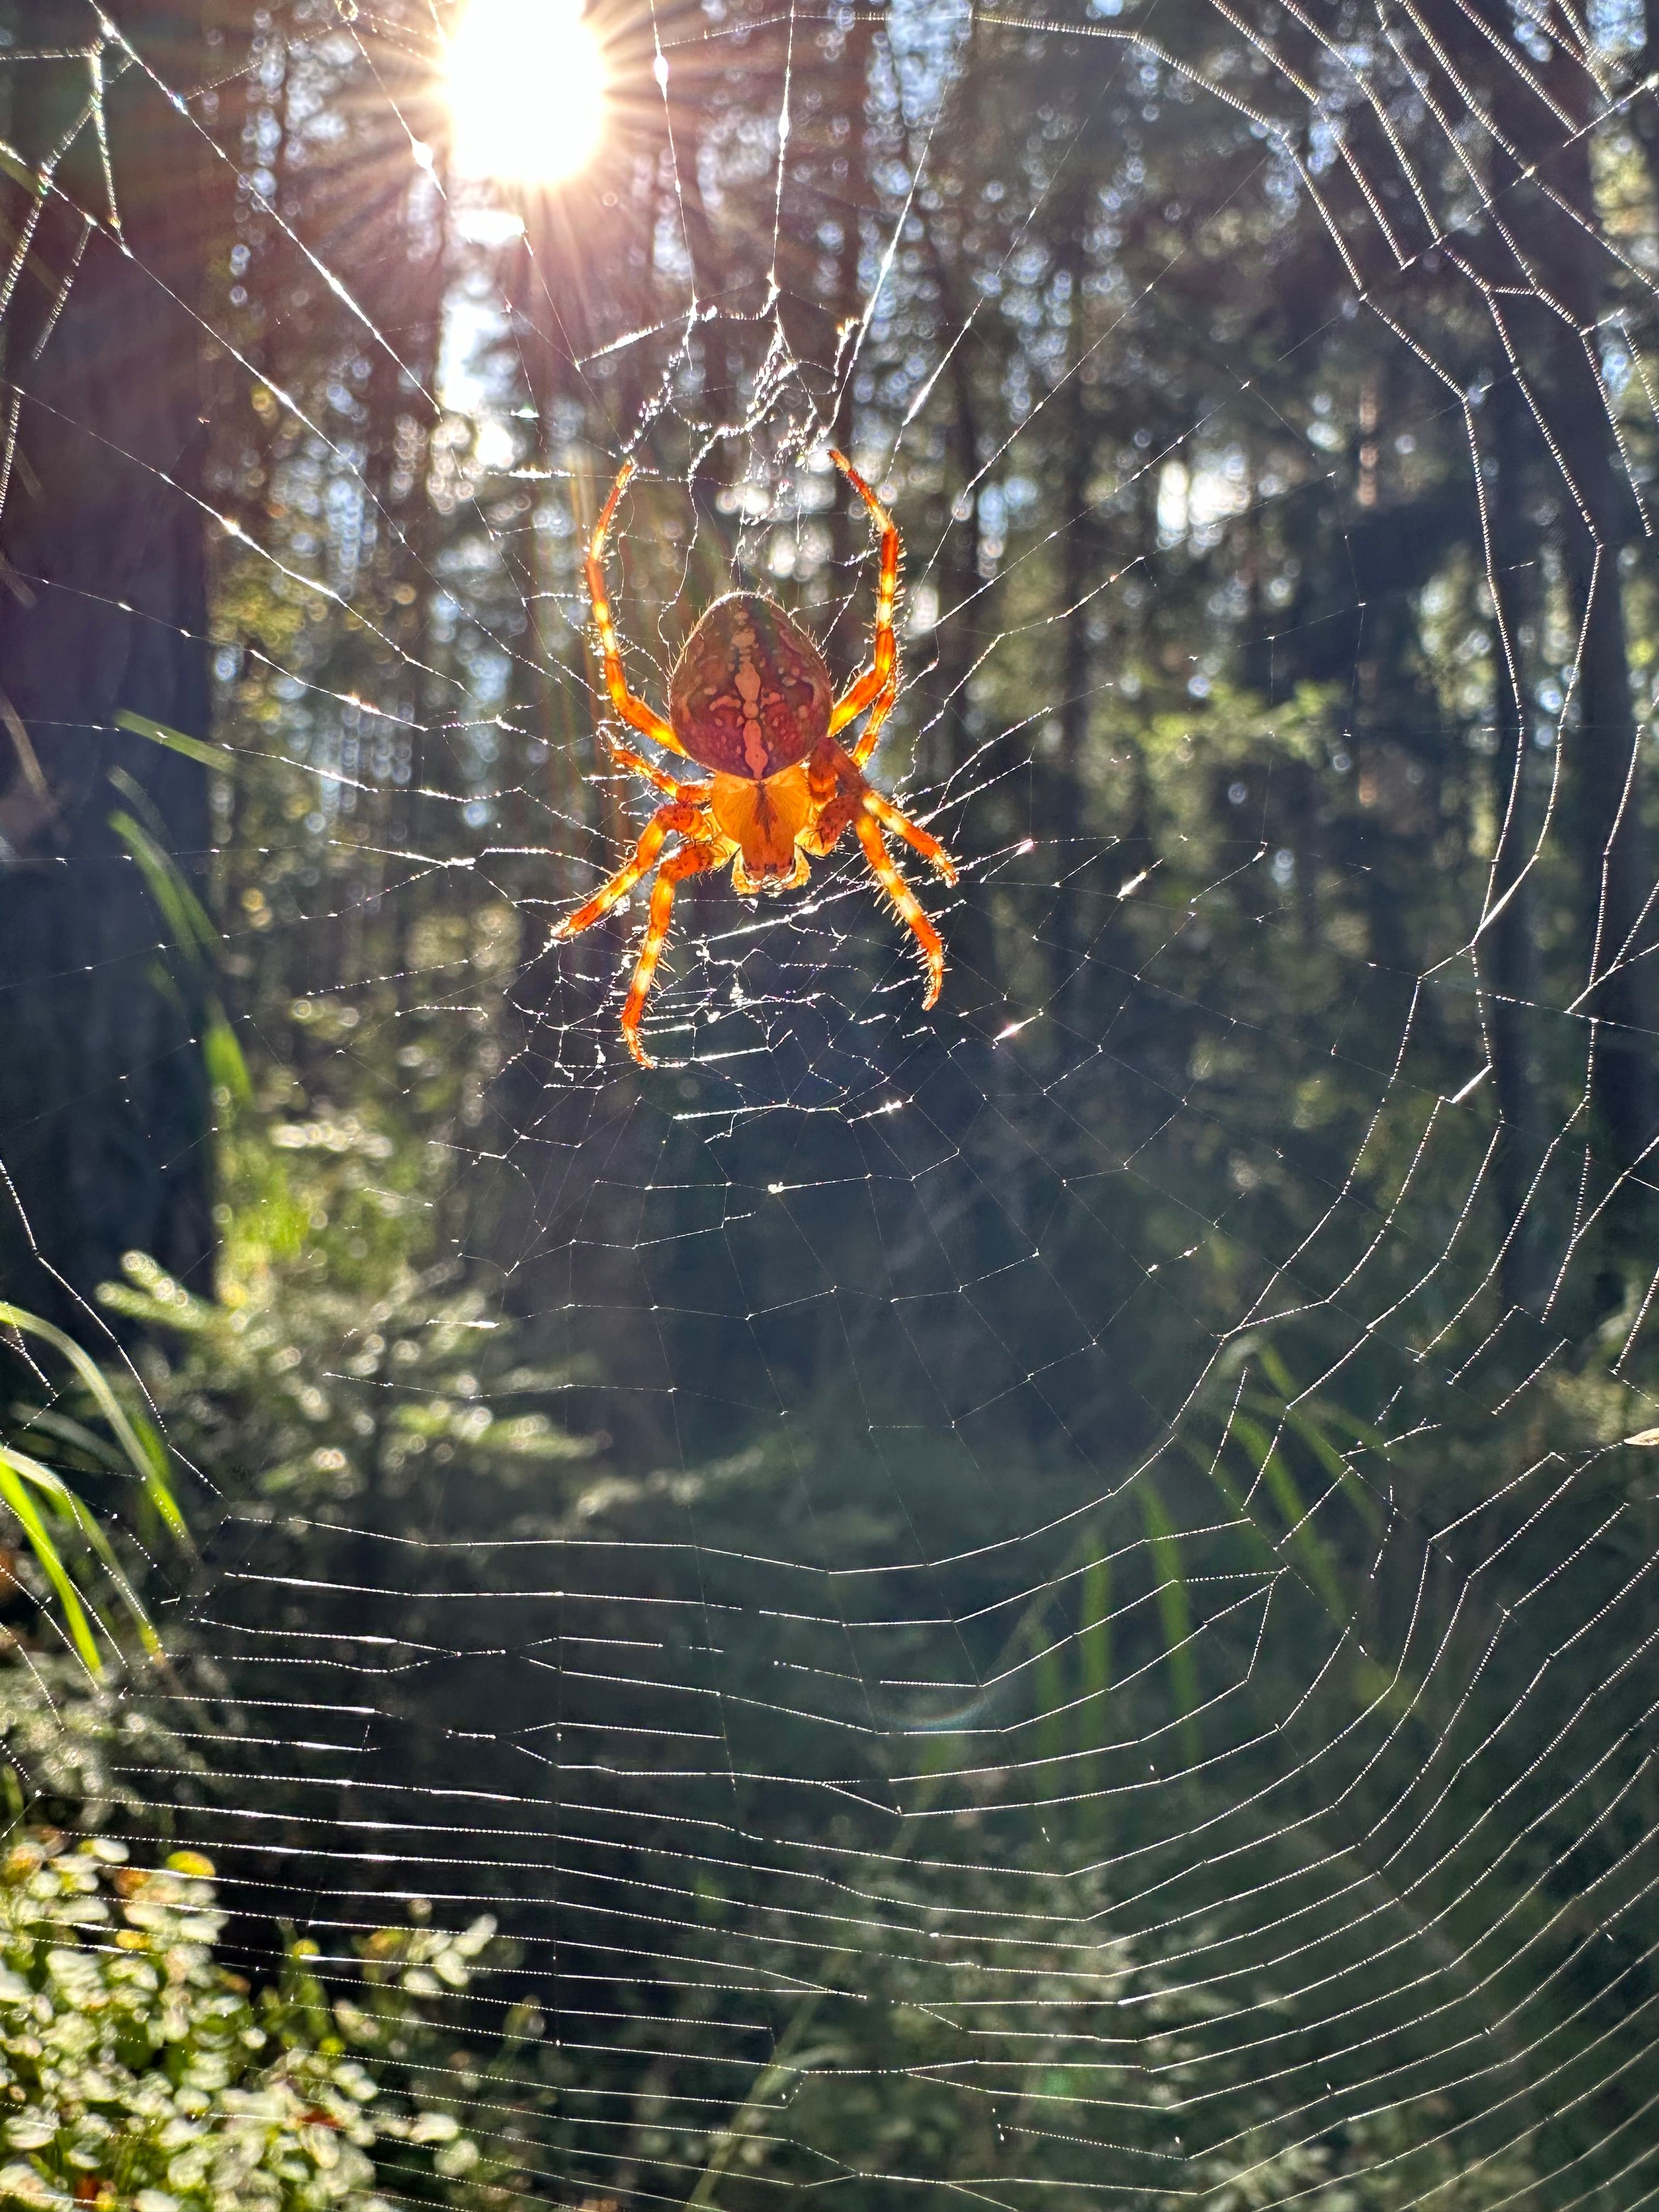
(750, 699)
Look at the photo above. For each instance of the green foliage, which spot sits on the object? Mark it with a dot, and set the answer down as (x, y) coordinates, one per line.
(60, 1527)
(968, 2028)
(197, 947)
(342, 1359)
(83, 1751)
(136, 2072)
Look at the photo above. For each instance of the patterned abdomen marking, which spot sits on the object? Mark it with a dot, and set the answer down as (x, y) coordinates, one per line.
(750, 696)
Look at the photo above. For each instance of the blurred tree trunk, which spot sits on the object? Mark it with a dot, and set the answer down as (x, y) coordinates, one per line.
(1643, 105)
(848, 192)
(1080, 562)
(957, 638)
(1512, 962)
(1552, 335)
(1598, 519)
(104, 1107)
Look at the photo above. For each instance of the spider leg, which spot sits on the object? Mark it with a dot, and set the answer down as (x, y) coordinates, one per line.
(878, 686)
(884, 707)
(826, 834)
(908, 905)
(690, 861)
(678, 814)
(836, 788)
(625, 757)
(912, 834)
(632, 710)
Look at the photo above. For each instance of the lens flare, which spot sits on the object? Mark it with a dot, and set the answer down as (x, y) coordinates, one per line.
(526, 90)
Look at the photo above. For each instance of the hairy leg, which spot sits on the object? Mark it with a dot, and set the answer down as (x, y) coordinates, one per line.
(625, 757)
(679, 815)
(913, 835)
(634, 710)
(690, 861)
(837, 790)
(908, 905)
(877, 687)
(866, 744)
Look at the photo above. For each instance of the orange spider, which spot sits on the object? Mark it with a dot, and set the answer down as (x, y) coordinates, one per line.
(751, 699)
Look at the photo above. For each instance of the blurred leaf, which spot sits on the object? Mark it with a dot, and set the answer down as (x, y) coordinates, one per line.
(192, 930)
(222, 758)
(1176, 1614)
(141, 1442)
(128, 2049)
(16, 1472)
(187, 918)
(1305, 1539)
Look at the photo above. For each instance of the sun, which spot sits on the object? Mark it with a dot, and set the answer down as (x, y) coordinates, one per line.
(526, 90)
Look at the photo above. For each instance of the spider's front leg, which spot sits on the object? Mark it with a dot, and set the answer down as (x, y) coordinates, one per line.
(633, 709)
(878, 688)
(690, 861)
(625, 757)
(679, 815)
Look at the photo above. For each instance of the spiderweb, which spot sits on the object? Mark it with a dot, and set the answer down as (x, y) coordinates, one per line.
(1083, 1629)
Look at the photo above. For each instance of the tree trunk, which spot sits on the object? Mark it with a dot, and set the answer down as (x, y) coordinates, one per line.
(1079, 574)
(1598, 518)
(104, 1108)
(1542, 174)
(1511, 942)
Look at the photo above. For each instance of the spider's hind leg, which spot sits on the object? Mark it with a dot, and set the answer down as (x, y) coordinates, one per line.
(690, 861)
(904, 899)
(913, 835)
(679, 814)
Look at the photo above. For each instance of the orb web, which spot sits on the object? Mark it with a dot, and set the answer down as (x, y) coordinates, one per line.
(1082, 1620)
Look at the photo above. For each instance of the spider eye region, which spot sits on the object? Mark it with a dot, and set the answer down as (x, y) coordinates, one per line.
(751, 695)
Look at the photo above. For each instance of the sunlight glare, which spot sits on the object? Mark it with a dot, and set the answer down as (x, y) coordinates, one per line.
(526, 90)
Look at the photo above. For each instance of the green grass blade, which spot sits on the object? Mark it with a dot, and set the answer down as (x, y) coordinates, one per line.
(1094, 1635)
(225, 1068)
(20, 171)
(1210, 1467)
(191, 928)
(75, 1510)
(1307, 1544)
(1049, 1693)
(1094, 1657)
(1273, 1366)
(146, 1454)
(14, 1492)
(788, 2061)
(222, 758)
(1176, 1614)
(1342, 1474)
(187, 920)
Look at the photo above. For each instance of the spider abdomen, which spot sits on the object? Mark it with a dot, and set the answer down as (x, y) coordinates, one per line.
(751, 695)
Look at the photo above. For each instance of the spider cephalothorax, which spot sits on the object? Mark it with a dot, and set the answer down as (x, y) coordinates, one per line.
(751, 700)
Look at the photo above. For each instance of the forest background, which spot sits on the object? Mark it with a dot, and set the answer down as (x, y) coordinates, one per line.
(1279, 577)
